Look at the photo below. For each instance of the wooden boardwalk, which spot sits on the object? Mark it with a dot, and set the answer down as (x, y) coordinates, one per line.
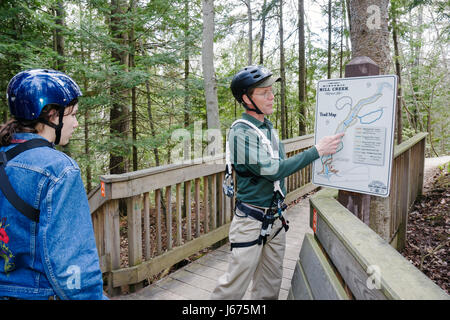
(196, 280)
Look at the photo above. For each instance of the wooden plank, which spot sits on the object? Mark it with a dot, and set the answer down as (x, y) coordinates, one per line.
(134, 230)
(131, 184)
(169, 217)
(212, 262)
(206, 204)
(421, 167)
(300, 289)
(213, 201)
(155, 265)
(323, 282)
(297, 193)
(138, 182)
(183, 289)
(96, 199)
(408, 144)
(158, 221)
(353, 273)
(197, 207)
(404, 200)
(197, 281)
(188, 208)
(146, 213)
(178, 215)
(113, 235)
(222, 198)
(205, 271)
(355, 249)
(297, 143)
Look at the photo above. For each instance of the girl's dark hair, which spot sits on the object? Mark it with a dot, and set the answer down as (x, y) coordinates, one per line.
(12, 126)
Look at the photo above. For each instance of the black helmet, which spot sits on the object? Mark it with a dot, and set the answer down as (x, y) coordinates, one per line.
(248, 78)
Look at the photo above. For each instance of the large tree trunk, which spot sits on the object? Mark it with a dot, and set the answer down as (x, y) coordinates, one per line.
(58, 35)
(58, 47)
(301, 68)
(369, 31)
(186, 108)
(399, 124)
(87, 145)
(416, 48)
(284, 122)
(150, 120)
(119, 122)
(212, 105)
(329, 41)
(250, 36)
(132, 45)
(263, 33)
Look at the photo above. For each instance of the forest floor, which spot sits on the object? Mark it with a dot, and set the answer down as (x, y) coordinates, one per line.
(428, 230)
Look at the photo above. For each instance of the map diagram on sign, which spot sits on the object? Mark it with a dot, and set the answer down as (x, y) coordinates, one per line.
(364, 109)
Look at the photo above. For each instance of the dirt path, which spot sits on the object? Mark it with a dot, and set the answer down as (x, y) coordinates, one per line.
(431, 169)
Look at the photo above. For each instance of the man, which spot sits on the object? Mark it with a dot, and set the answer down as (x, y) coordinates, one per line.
(256, 232)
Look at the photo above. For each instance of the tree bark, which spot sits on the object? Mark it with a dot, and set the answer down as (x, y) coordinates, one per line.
(150, 120)
(212, 105)
(329, 41)
(119, 122)
(284, 122)
(263, 32)
(301, 69)
(87, 145)
(369, 31)
(58, 42)
(59, 37)
(399, 81)
(186, 65)
(250, 35)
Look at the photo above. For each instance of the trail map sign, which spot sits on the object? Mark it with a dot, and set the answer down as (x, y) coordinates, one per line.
(363, 108)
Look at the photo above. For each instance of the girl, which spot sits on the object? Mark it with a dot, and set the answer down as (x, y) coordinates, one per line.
(47, 245)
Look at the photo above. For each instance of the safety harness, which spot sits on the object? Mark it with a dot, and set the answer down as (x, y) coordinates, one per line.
(5, 185)
(267, 216)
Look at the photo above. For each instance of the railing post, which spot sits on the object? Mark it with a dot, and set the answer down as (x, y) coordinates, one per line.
(112, 242)
(358, 203)
(134, 217)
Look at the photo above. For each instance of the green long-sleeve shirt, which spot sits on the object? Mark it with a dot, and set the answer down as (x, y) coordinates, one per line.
(249, 155)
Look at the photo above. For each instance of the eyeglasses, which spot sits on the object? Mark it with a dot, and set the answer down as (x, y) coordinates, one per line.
(267, 94)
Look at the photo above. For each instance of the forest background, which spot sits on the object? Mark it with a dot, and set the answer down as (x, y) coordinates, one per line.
(150, 67)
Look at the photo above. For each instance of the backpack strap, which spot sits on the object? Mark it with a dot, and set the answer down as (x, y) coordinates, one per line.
(5, 185)
(271, 146)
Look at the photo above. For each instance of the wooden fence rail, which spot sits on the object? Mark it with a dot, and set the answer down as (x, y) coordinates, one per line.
(406, 184)
(346, 259)
(172, 212)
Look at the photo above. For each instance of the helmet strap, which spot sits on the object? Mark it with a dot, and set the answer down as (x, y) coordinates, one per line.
(57, 127)
(254, 104)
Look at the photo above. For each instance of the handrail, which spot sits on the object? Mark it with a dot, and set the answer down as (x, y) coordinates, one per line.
(185, 198)
(363, 260)
(189, 171)
(371, 269)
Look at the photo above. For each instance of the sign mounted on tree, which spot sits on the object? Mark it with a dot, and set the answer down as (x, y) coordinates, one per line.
(363, 108)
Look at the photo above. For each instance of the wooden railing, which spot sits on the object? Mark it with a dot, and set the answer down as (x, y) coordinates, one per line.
(406, 184)
(172, 212)
(346, 259)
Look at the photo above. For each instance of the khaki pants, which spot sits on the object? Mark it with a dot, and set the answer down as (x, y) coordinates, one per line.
(262, 264)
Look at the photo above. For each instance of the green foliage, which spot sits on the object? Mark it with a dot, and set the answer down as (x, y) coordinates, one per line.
(163, 35)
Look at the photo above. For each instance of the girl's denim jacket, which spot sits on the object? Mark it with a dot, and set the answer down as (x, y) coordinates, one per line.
(56, 256)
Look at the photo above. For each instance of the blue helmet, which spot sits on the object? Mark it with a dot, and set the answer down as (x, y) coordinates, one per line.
(30, 91)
